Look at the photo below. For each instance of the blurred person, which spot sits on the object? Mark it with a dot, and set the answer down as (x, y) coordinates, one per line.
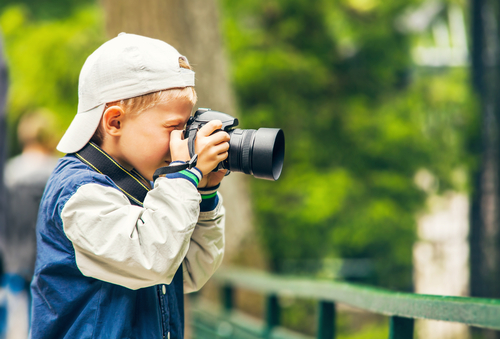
(25, 178)
(118, 242)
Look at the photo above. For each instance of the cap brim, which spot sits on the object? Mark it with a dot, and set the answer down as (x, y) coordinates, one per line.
(81, 130)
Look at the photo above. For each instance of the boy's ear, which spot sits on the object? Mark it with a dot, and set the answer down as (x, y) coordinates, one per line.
(112, 120)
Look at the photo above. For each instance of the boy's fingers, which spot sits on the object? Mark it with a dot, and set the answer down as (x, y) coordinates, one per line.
(220, 137)
(221, 148)
(209, 128)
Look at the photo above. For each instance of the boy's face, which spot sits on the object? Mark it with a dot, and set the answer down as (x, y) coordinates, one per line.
(145, 140)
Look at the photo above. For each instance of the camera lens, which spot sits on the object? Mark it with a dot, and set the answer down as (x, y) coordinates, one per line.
(258, 152)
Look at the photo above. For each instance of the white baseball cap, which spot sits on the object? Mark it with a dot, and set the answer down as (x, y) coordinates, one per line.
(124, 67)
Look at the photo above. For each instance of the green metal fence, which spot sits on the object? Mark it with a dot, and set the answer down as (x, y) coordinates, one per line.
(402, 308)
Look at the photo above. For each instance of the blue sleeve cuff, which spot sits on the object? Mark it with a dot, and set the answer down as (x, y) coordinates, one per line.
(209, 198)
(192, 175)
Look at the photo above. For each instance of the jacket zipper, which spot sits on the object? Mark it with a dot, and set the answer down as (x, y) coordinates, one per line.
(162, 320)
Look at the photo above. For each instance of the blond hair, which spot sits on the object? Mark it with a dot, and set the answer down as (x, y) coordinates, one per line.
(139, 104)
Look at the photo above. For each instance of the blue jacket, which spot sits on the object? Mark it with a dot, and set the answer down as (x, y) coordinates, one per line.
(108, 269)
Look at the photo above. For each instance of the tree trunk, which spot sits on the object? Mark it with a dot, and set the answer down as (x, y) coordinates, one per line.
(485, 221)
(192, 28)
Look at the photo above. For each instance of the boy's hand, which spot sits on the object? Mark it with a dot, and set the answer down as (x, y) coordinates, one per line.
(212, 179)
(179, 150)
(211, 149)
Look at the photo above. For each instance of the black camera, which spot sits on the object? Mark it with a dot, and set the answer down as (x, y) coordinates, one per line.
(258, 152)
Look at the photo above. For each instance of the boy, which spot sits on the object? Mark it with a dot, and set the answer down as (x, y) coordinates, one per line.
(114, 256)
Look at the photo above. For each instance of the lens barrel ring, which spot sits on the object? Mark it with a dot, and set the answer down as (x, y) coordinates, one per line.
(247, 150)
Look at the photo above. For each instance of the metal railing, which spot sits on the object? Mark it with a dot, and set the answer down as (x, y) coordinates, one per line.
(402, 308)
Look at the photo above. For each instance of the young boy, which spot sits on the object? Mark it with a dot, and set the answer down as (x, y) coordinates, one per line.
(114, 255)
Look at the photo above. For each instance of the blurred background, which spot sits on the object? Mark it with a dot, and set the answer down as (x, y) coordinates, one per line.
(390, 114)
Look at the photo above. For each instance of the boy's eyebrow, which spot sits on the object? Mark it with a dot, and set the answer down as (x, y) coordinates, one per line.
(174, 122)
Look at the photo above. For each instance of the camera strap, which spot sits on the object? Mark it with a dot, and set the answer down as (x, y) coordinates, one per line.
(192, 132)
(175, 168)
(133, 184)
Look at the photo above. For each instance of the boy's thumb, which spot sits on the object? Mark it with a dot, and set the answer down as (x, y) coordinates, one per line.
(178, 146)
(176, 135)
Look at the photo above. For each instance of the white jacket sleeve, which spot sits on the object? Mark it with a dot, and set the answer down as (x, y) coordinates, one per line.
(206, 249)
(128, 245)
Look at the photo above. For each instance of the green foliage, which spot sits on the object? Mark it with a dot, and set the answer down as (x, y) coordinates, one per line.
(48, 9)
(45, 58)
(370, 331)
(301, 315)
(360, 120)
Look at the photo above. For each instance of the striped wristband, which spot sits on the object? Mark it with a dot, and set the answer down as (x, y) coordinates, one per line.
(192, 175)
(209, 198)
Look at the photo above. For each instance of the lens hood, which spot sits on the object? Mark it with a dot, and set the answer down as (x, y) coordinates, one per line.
(268, 153)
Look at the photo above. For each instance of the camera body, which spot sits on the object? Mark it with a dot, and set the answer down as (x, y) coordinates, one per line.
(257, 152)
(205, 115)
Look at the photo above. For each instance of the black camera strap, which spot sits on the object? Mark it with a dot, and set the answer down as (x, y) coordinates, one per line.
(133, 184)
(191, 132)
(175, 168)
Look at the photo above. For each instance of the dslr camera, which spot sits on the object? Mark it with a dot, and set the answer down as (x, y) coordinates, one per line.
(257, 152)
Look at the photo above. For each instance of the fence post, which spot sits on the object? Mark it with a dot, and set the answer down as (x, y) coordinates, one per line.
(272, 314)
(401, 328)
(227, 297)
(326, 320)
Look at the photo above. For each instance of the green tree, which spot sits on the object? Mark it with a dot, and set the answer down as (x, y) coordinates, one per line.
(360, 121)
(44, 59)
(48, 10)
